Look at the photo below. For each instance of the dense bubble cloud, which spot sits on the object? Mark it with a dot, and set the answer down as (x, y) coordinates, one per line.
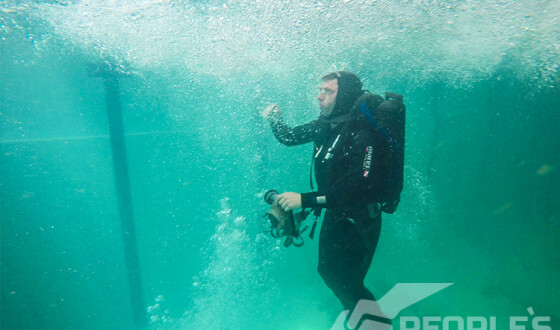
(459, 41)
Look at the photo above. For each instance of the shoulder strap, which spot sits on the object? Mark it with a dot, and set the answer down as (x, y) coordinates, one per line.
(364, 109)
(311, 170)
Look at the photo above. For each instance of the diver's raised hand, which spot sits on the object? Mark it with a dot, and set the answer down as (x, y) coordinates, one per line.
(289, 201)
(272, 110)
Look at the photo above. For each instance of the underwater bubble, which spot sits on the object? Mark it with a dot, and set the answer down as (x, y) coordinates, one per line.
(240, 221)
(434, 40)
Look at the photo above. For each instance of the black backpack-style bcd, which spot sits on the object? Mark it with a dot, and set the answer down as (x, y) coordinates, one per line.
(387, 117)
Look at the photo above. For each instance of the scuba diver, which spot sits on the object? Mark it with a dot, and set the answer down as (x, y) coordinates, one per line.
(350, 164)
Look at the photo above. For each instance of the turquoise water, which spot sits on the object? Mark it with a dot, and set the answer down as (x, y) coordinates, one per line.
(480, 206)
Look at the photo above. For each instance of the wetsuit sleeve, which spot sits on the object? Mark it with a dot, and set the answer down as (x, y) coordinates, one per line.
(293, 136)
(354, 186)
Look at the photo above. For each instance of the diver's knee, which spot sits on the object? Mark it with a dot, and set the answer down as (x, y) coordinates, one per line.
(331, 278)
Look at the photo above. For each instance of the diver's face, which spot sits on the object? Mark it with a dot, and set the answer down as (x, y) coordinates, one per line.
(327, 96)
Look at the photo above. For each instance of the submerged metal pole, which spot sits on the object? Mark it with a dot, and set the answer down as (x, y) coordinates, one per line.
(122, 184)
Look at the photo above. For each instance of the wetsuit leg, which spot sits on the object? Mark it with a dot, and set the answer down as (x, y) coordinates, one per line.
(345, 253)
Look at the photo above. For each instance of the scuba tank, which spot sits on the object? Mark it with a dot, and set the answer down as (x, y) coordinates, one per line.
(387, 117)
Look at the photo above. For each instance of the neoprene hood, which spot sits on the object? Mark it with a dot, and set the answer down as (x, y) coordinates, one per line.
(349, 89)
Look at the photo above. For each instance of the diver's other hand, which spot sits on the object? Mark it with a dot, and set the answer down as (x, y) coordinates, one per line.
(289, 201)
(272, 111)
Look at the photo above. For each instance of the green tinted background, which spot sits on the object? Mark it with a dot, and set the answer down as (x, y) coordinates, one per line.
(480, 206)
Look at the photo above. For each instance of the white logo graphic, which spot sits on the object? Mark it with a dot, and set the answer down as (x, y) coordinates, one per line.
(367, 161)
(401, 296)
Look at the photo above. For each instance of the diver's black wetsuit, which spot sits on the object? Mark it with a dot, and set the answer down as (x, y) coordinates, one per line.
(346, 165)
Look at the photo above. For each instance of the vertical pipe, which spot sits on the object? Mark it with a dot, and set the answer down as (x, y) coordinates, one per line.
(122, 184)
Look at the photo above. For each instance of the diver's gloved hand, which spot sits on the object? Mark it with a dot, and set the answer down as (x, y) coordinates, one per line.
(272, 111)
(289, 201)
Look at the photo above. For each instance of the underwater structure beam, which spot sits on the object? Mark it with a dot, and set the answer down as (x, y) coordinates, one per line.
(122, 185)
